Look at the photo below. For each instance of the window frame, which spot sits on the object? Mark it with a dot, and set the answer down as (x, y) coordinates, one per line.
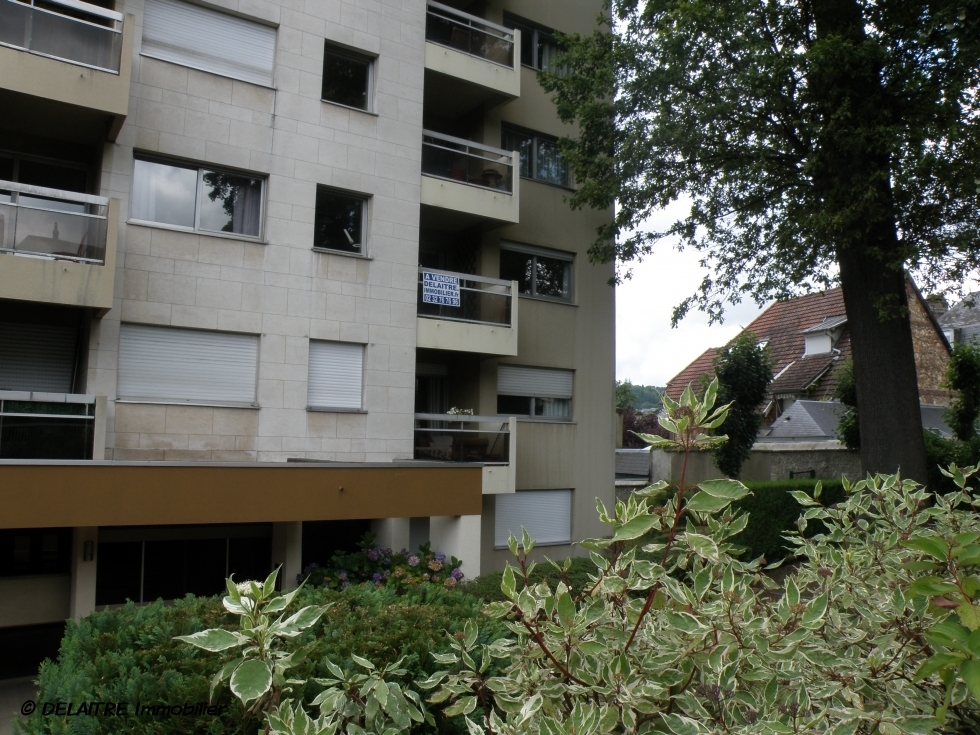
(536, 138)
(365, 221)
(198, 192)
(535, 30)
(310, 407)
(338, 49)
(533, 398)
(536, 252)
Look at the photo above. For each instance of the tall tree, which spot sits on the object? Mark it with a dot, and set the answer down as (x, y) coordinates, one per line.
(816, 140)
(744, 371)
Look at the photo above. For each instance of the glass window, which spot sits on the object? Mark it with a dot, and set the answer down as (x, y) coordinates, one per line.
(346, 78)
(539, 48)
(541, 158)
(534, 391)
(537, 274)
(202, 199)
(339, 221)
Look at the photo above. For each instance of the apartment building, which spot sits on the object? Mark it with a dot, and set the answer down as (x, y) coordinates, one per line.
(273, 274)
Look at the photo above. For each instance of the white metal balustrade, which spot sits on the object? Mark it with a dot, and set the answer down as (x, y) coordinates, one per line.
(469, 34)
(462, 438)
(467, 162)
(51, 223)
(67, 30)
(478, 300)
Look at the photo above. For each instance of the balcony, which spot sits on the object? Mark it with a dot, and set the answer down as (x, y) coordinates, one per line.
(469, 62)
(489, 440)
(70, 52)
(57, 247)
(51, 426)
(469, 182)
(466, 313)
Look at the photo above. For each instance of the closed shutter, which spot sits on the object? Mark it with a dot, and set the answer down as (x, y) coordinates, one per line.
(169, 364)
(37, 357)
(546, 514)
(335, 377)
(538, 382)
(209, 40)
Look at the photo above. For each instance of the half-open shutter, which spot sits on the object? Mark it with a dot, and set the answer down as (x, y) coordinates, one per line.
(546, 514)
(336, 375)
(196, 366)
(513, 380)
(206, 39)
(37, 357)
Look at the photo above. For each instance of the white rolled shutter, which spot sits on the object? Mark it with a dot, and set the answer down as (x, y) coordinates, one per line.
(539, 382)
(209, 40)
(187, 365)
(546, 514)
(336, 375)
(37, 357)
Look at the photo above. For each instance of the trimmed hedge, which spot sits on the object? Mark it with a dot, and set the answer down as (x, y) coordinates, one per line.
(129, 655)
(487, 586)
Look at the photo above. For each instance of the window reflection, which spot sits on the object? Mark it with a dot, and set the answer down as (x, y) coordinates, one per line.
(339, 221)
(164, 193)
(231, 203)
(345, 78)
(537, 275)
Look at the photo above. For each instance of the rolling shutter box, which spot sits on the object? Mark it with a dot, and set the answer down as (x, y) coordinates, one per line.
(209, 40)
(546, 514)
(37, 357)
(538, 382)
(187, 365)
(335, 377)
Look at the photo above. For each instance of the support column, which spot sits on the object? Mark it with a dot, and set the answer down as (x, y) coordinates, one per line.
(287, 550)
(458, 536)
(84, 556)
(392, 532)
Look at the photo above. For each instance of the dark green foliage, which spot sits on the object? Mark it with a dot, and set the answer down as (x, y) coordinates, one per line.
(963, 376)
(625, 394)
(645, 397)
(640, 423)
(773, 512)
(487, 586)
(942, 452)
(128, 655)
(744, 372)
(846, 392)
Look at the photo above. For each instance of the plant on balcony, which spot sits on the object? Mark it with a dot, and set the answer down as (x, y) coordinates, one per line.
(877, 632)
(384, 567)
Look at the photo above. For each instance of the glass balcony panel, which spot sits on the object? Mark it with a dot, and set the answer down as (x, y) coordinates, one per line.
(28, 437)
(469, 35)
(482, 301)
(470, 163)
(88, 42)
(452, 440)
(60, 233)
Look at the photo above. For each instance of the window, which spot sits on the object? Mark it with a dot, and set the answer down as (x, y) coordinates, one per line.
(339, 221)
(540, 158)
(336, 375)
(187, 365)
(540, 273)
(209, 40)
(546, 514)
(346, 78)
(528, 391)
(539, 48)
(197, 198)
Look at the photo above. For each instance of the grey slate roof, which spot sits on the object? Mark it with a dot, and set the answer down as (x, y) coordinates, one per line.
(633, 463)
(817, 421)
(963, 319)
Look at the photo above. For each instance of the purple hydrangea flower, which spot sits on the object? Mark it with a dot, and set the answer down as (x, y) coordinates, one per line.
(387, 574)
(413, 561)
(373, 555)
(457, 573)
(386, 560)
(440, 556)
(342, 576)
(376, 577)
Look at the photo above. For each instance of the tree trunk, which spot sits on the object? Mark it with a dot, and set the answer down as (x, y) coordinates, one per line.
(851, 170)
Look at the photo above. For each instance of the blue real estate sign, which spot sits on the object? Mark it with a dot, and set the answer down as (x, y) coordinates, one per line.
(440, 289)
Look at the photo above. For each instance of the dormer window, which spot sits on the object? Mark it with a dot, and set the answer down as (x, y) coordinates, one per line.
(821, 338)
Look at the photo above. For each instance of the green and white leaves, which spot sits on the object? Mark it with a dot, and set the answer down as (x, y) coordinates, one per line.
(214, 640)
(250, 680)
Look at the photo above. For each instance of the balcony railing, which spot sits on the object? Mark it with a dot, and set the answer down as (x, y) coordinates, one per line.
(462, 438)
(38, 221)
(67, 30)
(475, 164)
(469, 34)
(462, 297)
(39, 429)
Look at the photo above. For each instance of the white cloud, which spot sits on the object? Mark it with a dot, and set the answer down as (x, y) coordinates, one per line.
(648, 350)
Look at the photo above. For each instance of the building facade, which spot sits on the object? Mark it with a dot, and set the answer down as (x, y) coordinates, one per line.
(273, 274)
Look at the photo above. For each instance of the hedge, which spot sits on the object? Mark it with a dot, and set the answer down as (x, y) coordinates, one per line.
(129, 655)
(487, 586)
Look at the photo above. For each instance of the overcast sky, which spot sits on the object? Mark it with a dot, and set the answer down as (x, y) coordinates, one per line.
(648, 351)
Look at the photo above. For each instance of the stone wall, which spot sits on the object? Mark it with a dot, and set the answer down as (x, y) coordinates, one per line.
(931, 354)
